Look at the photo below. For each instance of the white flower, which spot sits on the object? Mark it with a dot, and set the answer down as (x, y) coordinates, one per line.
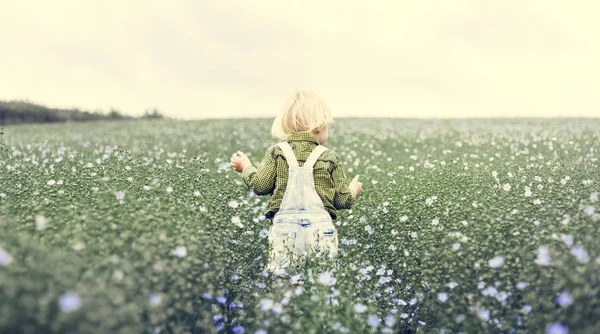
(506, 187)
(295, 279)
(118, 275)
(483, 314)
(384, 280)
(169, 189)
(78, 246)
(181, 251)
(237, 221)
(263, 233)
(373, 321)
(360, 308)
(521, 285)
(120, 195)
(537, 201)
(5, 257)
(452, 285)
(404, 218)
(496, 262)
(543, 257)
(594, 197)
(196, 193)
(429, 201)
(51, 182)
(40, 222)
(527, 191)
(435, 222)
(456, 246)
(326, 278)
(68, 302)
(442, 297)
(501, 296)
(526, 309)
(489, 291)
(589, 210)
(266, 304)
(567, 239)
(233, 204)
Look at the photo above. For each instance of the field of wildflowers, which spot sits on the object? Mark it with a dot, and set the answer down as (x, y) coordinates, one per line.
(141, 227)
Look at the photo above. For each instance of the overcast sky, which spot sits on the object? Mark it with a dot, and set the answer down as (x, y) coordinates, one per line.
(199, 59)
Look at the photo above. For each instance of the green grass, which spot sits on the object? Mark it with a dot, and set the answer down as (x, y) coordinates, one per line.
(435, 242)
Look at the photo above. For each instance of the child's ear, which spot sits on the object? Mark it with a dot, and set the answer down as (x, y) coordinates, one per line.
(319, 129)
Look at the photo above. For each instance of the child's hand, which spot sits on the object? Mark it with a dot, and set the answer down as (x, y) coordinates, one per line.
(356, 186)
(239, 160)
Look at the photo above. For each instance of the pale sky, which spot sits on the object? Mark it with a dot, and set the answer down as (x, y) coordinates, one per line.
(206, 59)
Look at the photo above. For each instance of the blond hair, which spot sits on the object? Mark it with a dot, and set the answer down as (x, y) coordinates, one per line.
(303, 112)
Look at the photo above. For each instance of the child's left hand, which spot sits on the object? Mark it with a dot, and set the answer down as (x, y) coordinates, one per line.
(239, 160)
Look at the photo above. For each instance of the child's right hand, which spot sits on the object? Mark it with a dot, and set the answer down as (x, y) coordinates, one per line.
(356, 186)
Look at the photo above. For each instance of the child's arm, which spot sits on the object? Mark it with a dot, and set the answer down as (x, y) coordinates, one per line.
(261, 180)
(344, 196)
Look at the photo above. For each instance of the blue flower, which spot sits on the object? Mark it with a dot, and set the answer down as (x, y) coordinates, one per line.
(68, 302)
(564, 299)
(556, 328)
(221, 299)
(217, 318)
(581, 254)
(154, 299)
(238, 330)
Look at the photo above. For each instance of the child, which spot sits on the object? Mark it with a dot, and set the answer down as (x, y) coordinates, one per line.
(306, 181)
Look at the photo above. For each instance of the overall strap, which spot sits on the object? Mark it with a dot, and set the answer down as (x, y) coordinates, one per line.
(314, 155)
(289, 154)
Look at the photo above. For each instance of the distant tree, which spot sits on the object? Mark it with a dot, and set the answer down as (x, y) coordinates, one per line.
(24, 111)
(115, 114)
(155, 114)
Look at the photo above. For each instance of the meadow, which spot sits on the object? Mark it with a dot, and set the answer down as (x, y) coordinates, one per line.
(464, 226)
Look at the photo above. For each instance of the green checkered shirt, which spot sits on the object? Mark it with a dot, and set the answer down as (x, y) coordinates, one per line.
(271, 177)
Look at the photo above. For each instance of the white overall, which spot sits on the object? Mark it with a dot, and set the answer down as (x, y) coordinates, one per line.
(302, 227)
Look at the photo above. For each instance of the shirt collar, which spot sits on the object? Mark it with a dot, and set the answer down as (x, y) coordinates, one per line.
(303, 136)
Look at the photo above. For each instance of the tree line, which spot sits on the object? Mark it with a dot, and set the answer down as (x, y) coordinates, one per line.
(21, 112)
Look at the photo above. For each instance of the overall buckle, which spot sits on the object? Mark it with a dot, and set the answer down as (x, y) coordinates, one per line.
(304, 222)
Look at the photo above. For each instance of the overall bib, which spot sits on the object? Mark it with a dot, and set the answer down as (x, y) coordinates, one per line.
(302, 227)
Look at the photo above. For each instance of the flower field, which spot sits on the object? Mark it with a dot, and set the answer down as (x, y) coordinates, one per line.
(141, 227)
